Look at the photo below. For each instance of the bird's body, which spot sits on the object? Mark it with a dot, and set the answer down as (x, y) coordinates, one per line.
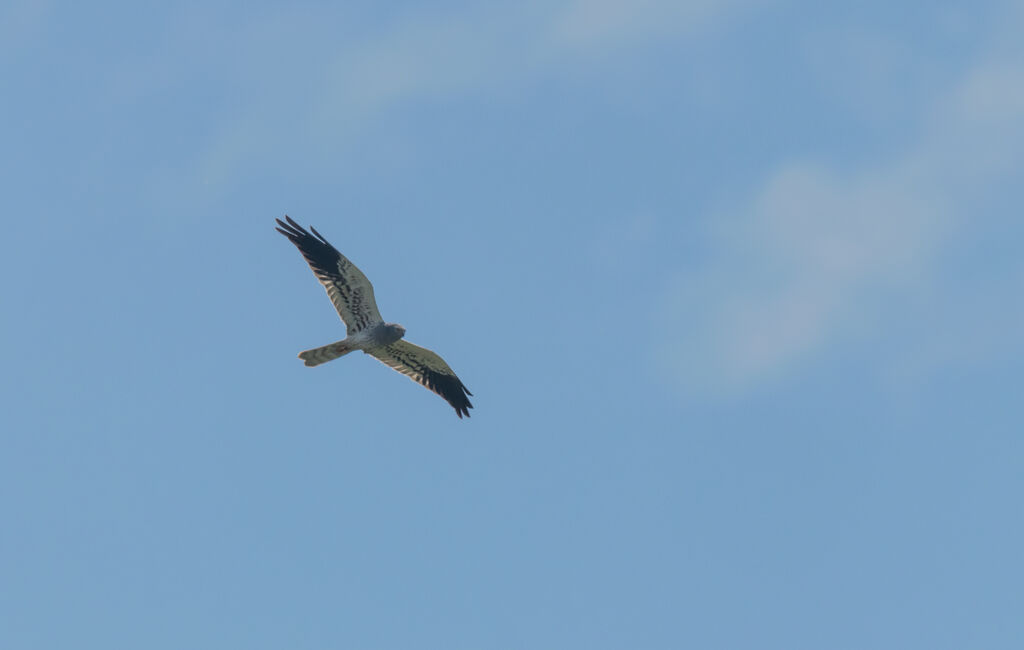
(375, 336)
(352, 295)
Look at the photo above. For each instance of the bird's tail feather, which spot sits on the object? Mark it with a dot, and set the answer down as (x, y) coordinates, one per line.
(325, 353)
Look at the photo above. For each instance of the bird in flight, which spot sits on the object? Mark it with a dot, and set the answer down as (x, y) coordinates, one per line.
(352, 295)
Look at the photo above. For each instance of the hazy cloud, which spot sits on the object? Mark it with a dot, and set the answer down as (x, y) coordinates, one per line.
(587, 24)
(423, 54)
(817, 255)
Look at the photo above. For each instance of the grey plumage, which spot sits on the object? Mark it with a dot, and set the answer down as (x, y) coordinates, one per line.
(352, 295)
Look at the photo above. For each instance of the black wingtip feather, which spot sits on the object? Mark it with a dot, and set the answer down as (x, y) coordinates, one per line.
(319, 236)
(317, 251)
(291, 230)
(452, 390)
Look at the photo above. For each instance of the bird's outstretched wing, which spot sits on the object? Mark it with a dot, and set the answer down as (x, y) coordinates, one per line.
(347, 287)
(428, 369)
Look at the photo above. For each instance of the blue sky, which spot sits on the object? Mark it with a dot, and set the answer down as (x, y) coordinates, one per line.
(736, 286)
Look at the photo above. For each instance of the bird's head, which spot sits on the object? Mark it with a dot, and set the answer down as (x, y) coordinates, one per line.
(397, 329)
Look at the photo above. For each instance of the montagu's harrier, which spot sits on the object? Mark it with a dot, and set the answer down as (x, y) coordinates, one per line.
(352, 295)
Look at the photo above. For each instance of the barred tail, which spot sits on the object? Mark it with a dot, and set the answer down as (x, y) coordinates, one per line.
(329, 352)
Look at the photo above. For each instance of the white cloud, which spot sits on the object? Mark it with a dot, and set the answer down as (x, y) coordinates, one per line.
(817, 257)
(425, 54)
(422, 54)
